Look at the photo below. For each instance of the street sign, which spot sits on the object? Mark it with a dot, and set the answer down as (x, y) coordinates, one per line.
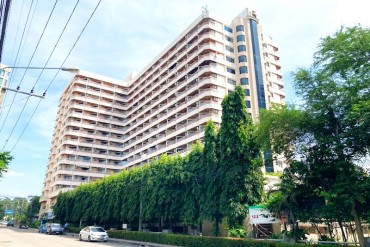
(260, 215)
(9, 211)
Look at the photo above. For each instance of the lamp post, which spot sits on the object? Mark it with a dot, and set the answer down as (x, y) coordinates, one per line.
(3, 82)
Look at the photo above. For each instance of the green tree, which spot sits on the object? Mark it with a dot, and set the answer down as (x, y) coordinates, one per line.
(211, 169)
(193, 180)
(240, 160)
(328, 137)
(33, 208)
(5, 159)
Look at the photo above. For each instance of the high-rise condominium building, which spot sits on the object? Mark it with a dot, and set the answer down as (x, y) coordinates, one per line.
(106, 125)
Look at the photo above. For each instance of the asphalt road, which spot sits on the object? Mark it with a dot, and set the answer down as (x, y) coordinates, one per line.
(15, 237)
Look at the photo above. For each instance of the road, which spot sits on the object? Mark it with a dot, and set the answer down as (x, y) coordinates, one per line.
(15, 237)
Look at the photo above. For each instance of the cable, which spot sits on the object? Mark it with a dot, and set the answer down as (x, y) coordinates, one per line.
(24, 106)
(15, 101)
(38, 43)
(4, 26)
(73, 46)
(56, 44)
(29, 11)
(24, 129)
(20, 83)
(92, 14)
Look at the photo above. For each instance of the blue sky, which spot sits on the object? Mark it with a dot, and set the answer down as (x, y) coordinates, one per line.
(124, 36)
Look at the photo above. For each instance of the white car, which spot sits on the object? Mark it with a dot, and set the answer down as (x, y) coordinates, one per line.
(93, 233)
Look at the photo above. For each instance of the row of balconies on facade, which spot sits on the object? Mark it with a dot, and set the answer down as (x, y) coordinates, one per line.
(89, 93)
(156, 126)
(100, 126)
(164, 134)
(171, 79)
(107, 86)
(155, 109)
(139, 82)
(72, 130)
(178, 103)
(183, 65)
(95, 108)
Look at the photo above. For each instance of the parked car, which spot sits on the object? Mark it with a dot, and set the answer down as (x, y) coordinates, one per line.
(42, 228)
(23, 226)
(3, 222)
(54, 228)
(93, 233)
(10, 223)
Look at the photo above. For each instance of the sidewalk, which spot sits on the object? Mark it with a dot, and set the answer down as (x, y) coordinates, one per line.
(138, 243)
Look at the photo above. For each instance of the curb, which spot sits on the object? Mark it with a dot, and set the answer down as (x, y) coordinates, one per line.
(138, 243)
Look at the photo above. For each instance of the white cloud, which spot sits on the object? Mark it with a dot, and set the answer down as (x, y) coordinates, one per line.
(12, 173)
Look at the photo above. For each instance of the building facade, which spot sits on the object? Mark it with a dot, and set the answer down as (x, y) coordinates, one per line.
(106, 125)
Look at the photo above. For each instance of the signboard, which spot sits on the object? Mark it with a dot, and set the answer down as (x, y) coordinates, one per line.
(260, 215)
(9, 211)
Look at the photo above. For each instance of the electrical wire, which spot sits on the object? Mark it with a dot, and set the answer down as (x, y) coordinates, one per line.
(52, 52)
(96, 7)
(5, 106)
(20, 83)
(25, 127)
(15, 41)
(56, 44)
(11, 75)
(92, 14)
(38, 43)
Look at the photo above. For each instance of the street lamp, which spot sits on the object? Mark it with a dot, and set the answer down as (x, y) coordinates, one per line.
(71, 69)
(3, 88)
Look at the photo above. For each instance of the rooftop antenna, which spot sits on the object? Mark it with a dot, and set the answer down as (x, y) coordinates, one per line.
(204, 10)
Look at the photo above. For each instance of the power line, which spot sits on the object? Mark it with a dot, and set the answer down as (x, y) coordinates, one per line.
(56, 44)
(38, 43)
(4, 26)
(20, 83)
(25, 127)
(60, 66)
(29, 11)
(52, 52)
(79, 36)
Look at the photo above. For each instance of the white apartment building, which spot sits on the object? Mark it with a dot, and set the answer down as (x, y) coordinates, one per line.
(106, 125)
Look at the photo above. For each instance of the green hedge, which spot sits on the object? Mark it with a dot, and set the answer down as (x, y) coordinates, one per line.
(74, 229)
(190, 241)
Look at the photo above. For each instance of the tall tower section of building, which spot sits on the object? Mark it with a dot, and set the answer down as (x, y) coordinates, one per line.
(163, 109)
(87, 139)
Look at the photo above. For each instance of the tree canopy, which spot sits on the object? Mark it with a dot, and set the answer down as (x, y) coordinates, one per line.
(5, 159)
(326, 138)
(212, 182)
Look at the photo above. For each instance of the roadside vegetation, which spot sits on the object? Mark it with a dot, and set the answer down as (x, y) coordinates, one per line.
(325, 141)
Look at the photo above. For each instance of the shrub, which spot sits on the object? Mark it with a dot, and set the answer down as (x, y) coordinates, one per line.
(192, 241)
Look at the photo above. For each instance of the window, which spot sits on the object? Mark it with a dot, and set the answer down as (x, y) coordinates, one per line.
(228, 29)
(247, 92)
(231, 81)
(240, 38)
(244, 81)
(230, 70)
(243, 70)
(228, 48)
(230, 59)
(240, 28)
(229, 39)
(241, 48)
(242, 58)
(248, 104)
